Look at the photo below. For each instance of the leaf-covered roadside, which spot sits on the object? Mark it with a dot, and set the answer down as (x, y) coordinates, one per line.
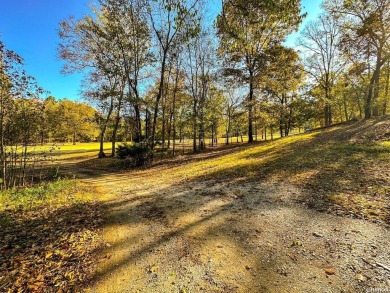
(48, 246)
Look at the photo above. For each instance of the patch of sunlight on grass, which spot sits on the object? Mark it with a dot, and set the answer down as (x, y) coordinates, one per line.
(77, 148)
(55, 194)
(359, 151)
(385, 143)
(360, 204)
(304, 176)
(243, 162)
(67, 148)
(335, 165)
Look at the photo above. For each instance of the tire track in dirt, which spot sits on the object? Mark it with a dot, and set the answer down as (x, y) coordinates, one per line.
(168, 234)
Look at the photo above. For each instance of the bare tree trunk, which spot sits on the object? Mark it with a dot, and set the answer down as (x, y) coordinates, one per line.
(2, 144)
(212, 134)
(164, 107)
(174, 130)
(250, 108)
(194, 127)
(359, 106)
(281, 128)
(104, 128)
(375, 106)
(384, 110)
(181, 133)
(147, 123)
(138, 128)
(216, 133)
(163, 121)
(281, 117)
(170, 128)
(328, 114)
(114, 134)
(287, 120)
(117, 119)
(173, 116)
(159, 95)
(370, 107)
(345, 107)
(256, 127)
(228, 129)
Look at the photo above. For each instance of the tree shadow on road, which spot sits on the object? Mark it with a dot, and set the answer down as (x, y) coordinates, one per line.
(203, 200)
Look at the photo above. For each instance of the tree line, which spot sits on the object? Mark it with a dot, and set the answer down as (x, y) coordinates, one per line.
(168, 68)
(27, 120)
(158, 72)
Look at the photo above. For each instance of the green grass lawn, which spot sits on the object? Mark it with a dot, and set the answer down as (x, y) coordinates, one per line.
(93, 147)
(60, 148)
(63, 148)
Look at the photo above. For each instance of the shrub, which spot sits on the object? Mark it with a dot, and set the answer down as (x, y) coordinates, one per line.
(140, 154)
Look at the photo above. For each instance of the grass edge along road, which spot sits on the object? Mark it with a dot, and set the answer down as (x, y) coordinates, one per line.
(333, 162)
(180, 224)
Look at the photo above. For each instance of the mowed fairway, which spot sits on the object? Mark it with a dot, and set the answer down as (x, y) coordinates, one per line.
(62, 149)
(308, 213)
(80, 151)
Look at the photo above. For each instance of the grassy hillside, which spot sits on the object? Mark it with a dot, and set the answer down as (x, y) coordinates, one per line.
(345, 169)
(287, 215)
(279, 212)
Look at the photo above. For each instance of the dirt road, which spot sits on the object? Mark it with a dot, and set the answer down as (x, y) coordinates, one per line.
(169, 229)
(172, 235)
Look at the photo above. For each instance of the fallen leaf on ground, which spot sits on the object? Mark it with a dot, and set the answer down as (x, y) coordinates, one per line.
(330, 272)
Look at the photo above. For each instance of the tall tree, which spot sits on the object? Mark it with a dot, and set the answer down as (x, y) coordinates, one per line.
(320, 40)
(113, 44)
(282, 78)
(200, 69)
(169, 20)
(365, 25)
(100, 90)
(126, 22)
(20, 108)
(246, 29)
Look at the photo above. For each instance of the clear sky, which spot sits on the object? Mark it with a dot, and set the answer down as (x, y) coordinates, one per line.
(29, 27)
(312, 8)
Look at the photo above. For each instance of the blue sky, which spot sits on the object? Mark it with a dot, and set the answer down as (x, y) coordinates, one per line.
(312, 8)
(29, 27)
